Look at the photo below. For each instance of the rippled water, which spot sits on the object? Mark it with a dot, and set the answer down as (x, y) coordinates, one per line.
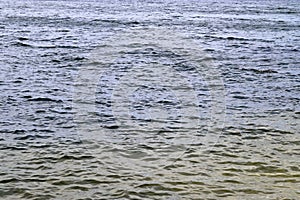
(96, 103)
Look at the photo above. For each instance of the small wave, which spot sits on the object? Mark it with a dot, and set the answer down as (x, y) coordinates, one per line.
(260, 71)
(18, 131)
(121, 22)
(31, 137)
(22, 38)
(236, 38)
(23, 44)
(44, 99)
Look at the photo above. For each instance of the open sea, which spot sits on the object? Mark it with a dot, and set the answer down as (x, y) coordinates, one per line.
(150, 99)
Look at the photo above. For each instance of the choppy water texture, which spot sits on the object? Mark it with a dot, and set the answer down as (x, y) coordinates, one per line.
(50, 150)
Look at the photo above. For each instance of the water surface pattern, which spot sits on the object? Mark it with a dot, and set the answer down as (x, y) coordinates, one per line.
(50, 144)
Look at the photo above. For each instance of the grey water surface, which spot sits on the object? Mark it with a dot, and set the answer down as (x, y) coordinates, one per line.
(50, 150)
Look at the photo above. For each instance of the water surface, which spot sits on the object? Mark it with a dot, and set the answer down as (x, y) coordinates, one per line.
(45, 155)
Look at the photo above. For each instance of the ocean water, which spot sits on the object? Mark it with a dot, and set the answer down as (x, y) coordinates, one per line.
(150, 99)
